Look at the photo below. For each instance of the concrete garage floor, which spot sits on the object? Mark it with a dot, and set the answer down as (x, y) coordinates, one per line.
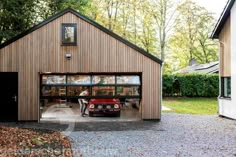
(62, 113)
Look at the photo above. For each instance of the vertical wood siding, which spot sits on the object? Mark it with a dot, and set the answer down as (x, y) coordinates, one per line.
(225, 50)
(41, 51)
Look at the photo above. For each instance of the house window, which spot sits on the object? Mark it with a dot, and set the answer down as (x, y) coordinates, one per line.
(226, 87)
(69, 34)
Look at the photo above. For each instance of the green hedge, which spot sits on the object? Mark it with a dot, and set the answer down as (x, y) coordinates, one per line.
(191, 85)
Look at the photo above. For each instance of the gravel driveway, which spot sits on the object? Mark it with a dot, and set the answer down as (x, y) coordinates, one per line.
(176, 135)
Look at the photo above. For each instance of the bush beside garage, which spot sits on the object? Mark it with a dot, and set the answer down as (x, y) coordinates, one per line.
(190, 85)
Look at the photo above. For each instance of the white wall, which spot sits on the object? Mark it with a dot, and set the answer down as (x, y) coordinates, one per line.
(228, 107)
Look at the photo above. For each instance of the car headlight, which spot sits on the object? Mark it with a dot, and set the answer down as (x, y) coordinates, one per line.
(108, 106)
(91, 106)
(116, 106)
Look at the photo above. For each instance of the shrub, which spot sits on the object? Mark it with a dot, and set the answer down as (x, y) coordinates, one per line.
(191, 85)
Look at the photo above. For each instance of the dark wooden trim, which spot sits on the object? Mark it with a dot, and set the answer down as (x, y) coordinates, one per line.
(64, 43)
(89, 97)
(93, 73)
(223, 18)
(116, 85)
(41, 24)
(58, 85)
(50, 19)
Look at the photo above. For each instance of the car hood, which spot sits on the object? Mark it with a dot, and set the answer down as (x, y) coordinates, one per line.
(104, 101)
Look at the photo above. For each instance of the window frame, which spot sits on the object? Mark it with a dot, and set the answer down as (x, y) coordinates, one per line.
(65, 43)
(91, 85)
(223, 94)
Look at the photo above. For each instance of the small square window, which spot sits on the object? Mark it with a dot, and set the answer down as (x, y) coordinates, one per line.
(226, 87)
(69, 34)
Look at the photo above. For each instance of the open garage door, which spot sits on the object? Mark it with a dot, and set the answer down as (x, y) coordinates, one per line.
(8, 96)
(107, 94)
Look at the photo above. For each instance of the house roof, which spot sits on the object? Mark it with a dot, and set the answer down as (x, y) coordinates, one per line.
(221, 21)
(102, 28)
(208, 68)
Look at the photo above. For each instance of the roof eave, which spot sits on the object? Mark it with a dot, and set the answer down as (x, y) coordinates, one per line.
(35, 27)
(224, 16)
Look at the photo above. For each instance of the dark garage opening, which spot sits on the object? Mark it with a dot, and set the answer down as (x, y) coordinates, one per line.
(111, 96)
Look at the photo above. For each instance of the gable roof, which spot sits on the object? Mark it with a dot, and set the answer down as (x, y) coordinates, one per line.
(221, 21)
(109, 32)
(207, 68)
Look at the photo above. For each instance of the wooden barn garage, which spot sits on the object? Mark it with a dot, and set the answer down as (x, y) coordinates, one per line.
(69, 44)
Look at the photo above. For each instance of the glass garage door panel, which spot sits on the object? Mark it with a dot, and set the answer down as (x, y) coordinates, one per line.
(76, 90)
(71, 85)
(128, 91)
(79, 79)
(53, 91)
(54, 79)
(103, 79)
(128, 79)
(103, 91)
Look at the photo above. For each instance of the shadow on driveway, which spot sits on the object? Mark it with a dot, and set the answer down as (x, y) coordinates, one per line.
(91, 126)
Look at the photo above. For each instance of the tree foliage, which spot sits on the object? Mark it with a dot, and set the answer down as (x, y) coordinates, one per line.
(174, 33)
(82, 6)
(17, 16)
(191, 36)
(163, 12)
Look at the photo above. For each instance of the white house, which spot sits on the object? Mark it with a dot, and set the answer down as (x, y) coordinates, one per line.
(225, 31)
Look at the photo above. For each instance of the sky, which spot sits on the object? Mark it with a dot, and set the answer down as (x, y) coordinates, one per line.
(215, 6)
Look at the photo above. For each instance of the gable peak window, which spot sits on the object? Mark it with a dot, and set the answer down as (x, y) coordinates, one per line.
(69, 34)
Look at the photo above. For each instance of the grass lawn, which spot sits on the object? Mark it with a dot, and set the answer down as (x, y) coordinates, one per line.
(207, 106)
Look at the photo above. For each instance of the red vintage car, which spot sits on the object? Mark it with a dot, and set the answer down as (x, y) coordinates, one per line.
(104, 107)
